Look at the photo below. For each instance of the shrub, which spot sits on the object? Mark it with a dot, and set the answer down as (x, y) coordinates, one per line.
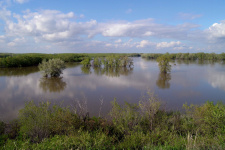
(86, 62)
(53, 67)
(149, 106)
(41, 121)
(164, 65)
(125, 118)
(97, 62)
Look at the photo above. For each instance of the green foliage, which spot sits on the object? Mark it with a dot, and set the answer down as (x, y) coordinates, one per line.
(188, 56)
(25, 60)
(131, 126)
(209, 118)
(86, 62)
(151, 56)
(163, 62)
(53, 67)
(97, 62)
(125, 118)
(149, 106)
(41, 121)
(116, 61)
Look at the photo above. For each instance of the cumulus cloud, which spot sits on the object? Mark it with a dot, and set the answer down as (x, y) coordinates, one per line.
(49, 25)
(5, 14)
(147, 28)
(63, 30)
(144, 43)
(168, 44)
(217, 30)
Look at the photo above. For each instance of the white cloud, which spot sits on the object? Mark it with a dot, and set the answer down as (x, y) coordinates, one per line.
(189, 16)
(5, 14)
(118, 41)
(168, 44)
(217, 30)
(129, 11)
(108, 44)
(21, 1)
(49, 25)
(144, 43)
(58, 30)
(146, 28)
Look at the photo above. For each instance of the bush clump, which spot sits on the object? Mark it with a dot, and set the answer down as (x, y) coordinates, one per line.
(53, 67)
(164, 65)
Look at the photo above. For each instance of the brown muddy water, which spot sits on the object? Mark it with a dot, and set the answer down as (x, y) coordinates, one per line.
(190, 82)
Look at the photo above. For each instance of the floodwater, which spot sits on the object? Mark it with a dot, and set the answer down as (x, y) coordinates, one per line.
(190, 82)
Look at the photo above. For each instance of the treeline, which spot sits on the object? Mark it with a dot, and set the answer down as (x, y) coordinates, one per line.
(25, 60)
(109, 61)
(145, 125)
(113, 54)
(187, 56)
(3, 55)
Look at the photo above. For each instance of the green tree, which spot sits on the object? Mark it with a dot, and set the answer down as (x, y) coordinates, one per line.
(164, 63)
(86, 62)
(97, 62)
(53, 67)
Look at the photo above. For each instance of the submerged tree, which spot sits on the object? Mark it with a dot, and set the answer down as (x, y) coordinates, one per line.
(164, 65)
(86, 62)
(53, 67)
(97, 62)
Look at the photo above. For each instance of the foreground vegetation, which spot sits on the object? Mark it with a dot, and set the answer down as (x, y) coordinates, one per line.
(132, 126)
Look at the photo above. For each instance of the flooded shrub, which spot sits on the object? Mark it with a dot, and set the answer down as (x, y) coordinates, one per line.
(97, 62)
(52, 67)
(126, 62)
(163, 62)
(86, 62)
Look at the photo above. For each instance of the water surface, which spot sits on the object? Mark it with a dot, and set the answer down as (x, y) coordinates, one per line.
(189, 82)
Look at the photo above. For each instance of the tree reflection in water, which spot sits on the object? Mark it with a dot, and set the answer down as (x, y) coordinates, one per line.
(109, 71)
(86, 69)
(55, 84)
(163, 80)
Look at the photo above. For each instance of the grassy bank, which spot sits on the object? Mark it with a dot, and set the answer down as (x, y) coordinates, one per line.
(145, 125)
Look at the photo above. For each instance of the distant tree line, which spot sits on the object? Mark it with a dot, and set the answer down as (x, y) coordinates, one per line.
(187, 56)
(25, 60)
(109, 61)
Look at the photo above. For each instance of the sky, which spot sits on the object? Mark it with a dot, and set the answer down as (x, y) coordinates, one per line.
(112, 26)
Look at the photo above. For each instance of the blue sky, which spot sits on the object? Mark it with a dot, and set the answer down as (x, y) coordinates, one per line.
(120, 26)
